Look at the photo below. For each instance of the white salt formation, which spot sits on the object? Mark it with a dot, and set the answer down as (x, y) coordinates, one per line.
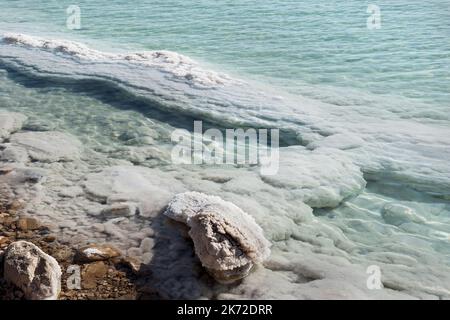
(178, 66)
(227, 240)
(47, 146)
(319, 186)
(9, 123)
(96, 253)
(131, 189)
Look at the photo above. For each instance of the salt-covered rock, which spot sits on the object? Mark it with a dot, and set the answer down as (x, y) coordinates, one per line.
(227, 240)
(10, 122)
(48, 146)
(149, 189)
(33, 271)
(96, 253)
(133, 263)
(120, 209)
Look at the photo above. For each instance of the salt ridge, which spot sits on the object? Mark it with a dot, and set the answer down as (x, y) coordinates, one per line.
(174, 63)
(382, 144)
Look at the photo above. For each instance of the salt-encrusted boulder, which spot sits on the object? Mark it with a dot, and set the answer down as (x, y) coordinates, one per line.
(33, 271)
(10, 122)
(48, 146)
(227, 240)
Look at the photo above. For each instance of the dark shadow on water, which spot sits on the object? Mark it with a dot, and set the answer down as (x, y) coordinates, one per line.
(118, 97)
(174, 271)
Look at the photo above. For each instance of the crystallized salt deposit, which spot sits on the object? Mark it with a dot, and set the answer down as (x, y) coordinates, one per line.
(319, 178)
(9, 123)
(339, 141)
(92, 251)
(227, 240)
(177, 65)
(150, 189)
(48, 146)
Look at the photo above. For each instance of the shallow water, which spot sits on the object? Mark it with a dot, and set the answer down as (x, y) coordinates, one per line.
(352, 104)
(305, 44)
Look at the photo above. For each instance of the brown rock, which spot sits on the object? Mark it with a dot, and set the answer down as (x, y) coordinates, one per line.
(95, 252)
(28, 223)
(93, 273)
(6, 169)
(7, 221)
(133, 263)
(9, 234)
(15, 205)
(24, 235)
(49, 238)
(3, 240)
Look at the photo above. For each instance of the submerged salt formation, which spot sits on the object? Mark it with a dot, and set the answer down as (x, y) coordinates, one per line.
(48, 146)
(227, 240)
(9, 123)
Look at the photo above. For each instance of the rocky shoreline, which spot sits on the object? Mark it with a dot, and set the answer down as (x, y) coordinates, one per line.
(108, 277)
(29, 249)
(35, 265)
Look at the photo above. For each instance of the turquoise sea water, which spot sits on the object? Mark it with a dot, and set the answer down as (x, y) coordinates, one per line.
(296, 43)
(313, 69)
